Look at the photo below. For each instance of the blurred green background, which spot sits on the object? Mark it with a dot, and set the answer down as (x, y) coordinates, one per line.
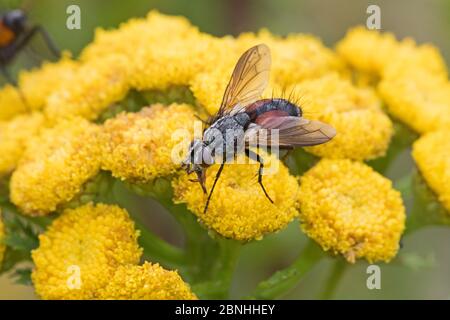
(426, 252)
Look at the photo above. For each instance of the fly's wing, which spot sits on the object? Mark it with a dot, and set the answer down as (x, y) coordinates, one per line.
(292, 132)
(248, 81)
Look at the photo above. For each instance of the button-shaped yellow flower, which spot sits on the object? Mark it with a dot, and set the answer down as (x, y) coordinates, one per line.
(14, 136)
(350, 209)
(381, 53)
(138, 146)
(94, 87)
(432, 155)
(146, 282)
(38, 84)
(81, 250)
(238, 208)
(419, 98)
(55, 166)
(295, 58)
(154, 28)
(363, 130)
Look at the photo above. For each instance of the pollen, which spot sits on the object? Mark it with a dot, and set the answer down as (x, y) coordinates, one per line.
(80, 252)
(55, 165)
(244, 213)
(350, 209)
(146, 282)
(431, 153)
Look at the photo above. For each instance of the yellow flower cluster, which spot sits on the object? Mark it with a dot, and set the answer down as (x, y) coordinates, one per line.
(303, 53)
(90, 242)
(244, 213)
(55, 165)
(38, 84)
(146, 282)
(414, 81)
(138, 146)
(96, 85)
(2, 235)
(92, 253)
(432, 155)
(363, 130)
(350, 209)
(14, 136)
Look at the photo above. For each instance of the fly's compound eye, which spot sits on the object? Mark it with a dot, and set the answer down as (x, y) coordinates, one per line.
(15, 20)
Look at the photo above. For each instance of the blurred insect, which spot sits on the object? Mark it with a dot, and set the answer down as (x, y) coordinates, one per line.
(15, 34)
(242, 110)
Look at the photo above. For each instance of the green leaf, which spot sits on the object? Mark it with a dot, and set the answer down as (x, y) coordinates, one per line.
(21, 236)
(426, 209)
(12, 258)
(22, 276)
(402, 139)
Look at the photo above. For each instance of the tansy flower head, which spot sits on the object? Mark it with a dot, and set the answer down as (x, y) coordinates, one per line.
(11, 103)
(146, 282)
(55, 165)
(350, 209)
(38, 84)
(363, 130)
(176, 62)
(410, 57)
(81, 250)
(138, 146)
(238, 208)
(155, 28)
(432, 155)
(303, 53)
(419, 98)
(367, 50)
(2, 236)
(295, 58)
(95, 86)
(14, 135)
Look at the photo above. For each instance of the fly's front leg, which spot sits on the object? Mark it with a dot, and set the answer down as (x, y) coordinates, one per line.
(214, 185)
(260, 160)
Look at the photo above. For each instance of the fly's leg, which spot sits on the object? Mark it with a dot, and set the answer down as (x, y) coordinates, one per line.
(214, 185)
(48, 41)
(259, 159)
(29, 34)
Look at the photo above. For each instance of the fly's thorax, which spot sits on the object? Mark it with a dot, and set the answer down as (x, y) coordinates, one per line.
(225, 137)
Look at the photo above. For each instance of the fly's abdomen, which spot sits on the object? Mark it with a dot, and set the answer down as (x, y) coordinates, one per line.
(282, 107)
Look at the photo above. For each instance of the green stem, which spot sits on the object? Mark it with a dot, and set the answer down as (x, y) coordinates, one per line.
(284, 280)
(337, 271)
(158, 248)
(218, 287)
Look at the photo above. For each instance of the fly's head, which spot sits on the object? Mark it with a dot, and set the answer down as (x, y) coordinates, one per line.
(15, 20)
(198, 159)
